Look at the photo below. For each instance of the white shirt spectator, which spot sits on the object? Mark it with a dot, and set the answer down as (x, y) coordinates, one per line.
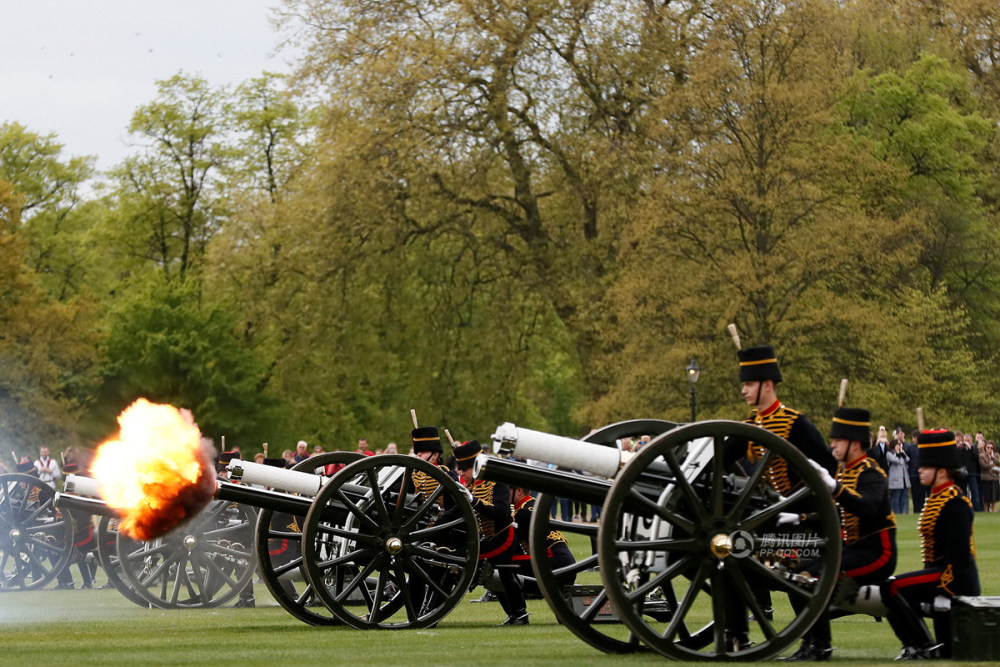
(48, 469)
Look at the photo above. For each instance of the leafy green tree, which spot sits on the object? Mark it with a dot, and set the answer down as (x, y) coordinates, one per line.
(48, 350)
(164, 347)
(165, 200)
(53, 223)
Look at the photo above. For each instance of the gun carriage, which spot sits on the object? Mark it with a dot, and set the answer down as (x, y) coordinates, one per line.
(363, 542)
(685, 539)
(36, 539)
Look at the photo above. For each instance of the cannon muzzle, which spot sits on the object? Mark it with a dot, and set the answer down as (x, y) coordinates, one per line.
(291, 481)
(564, 452)
(83, 505)
(263, 498)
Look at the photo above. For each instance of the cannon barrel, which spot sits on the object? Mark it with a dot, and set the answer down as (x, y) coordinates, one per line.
(292, 481)
(83, 504)
(559, 450)
(558, 483)
(81, 485)
(263, 498)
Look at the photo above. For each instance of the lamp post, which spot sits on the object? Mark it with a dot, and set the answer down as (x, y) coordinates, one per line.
(693, 371)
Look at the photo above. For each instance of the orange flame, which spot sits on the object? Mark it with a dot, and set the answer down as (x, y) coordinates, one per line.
(157, 474)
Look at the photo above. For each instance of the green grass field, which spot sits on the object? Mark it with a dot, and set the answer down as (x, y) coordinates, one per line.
(100, 627)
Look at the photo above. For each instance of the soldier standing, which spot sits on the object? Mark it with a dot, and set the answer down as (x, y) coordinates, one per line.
(861, 489)
(948, 544)
(759, 378)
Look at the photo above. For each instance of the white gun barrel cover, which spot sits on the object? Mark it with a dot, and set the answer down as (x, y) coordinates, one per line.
(561, 451)
(82, 486)
(291, 481)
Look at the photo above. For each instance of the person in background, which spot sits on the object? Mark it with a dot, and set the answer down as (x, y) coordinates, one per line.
(48, 469)
(289, 457)
(917, 490)
(363, 447)
(948, 545)
(899, 477)
(968, 456)
(989, 476)
(880, 449)
(391, 448)
(301, 451)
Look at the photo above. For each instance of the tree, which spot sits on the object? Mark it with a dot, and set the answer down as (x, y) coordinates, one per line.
(165, 347)
(53, 224)
(48, 350)
(165, 202)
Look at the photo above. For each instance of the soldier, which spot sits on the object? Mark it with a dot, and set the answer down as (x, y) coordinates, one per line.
(556, 548)
(948, 544)
(759, 378)
(491, 502)
(426, 444)
(868, 524)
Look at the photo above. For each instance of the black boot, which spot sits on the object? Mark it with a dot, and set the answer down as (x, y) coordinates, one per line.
(809, 652)
(517, 618)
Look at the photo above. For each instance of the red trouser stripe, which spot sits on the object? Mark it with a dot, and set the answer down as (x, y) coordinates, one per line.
(877, 563)
(913, 581)
(503, 547)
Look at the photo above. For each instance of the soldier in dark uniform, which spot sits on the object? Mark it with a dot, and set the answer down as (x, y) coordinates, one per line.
(426, 444)
(557, 549)
(948, 544)
(759, 378)
(861, 489)
(491, 502)
(84, 542)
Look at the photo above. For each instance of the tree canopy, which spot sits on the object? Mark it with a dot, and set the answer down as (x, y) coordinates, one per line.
(536, 212)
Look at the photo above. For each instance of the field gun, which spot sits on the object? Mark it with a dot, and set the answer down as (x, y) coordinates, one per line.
(204, 562)
(36, 539)
(686, 540)
(363, 543)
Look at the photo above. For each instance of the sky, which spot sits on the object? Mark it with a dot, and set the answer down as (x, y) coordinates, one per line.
(80, 68)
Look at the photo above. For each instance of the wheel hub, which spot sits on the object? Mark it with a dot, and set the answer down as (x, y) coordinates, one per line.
(721, 546)
(190, 542)
(394, 545)
(15, 535)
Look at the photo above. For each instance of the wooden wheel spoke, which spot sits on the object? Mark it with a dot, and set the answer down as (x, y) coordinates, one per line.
(770, 513)
(686, 602)
(681, 482)
(752, 483)
(662, 512)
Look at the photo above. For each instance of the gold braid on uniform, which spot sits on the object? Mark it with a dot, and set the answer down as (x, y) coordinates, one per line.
(929, 517)
(484, 493)
(779, 423)
(425, 485)
(848, 477)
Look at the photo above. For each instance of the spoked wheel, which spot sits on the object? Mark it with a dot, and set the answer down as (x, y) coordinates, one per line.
(36, 539)
(107, 554)
(583, 606)
(379, 554)
(705, 540)
(279, 551)
(203, 563)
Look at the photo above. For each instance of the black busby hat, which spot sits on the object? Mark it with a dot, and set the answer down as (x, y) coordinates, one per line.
(426, 439)
(466, 453)
(851, 424)
(225, 458)
(71, 468)
(275, 463)
(758, 363)
(937, 449)
(28, 468)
